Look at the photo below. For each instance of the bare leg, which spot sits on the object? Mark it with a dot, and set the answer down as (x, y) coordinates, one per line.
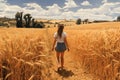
(62, 59)
(58, 57)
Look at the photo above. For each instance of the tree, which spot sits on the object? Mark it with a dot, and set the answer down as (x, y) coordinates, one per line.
(18, 17)
(118, 18)
(78, 21)
(85, 21)
(39, 25)
(29, 21)
(27, 18)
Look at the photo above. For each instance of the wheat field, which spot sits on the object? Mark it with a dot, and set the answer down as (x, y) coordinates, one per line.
(25, 54)
(96, 47)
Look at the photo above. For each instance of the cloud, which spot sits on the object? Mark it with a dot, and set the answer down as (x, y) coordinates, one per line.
(107, 8)
(91, 14)
(116, 10)
(11, 10)
(67, 15)
(34, 9)
(7, 9)
(54, 6)
(2, 6)
(32, 6)
(3, 1)
(85, 3)
(106, 11)
(53, 10)
(70, 4)
(104, 1)
(37, 11)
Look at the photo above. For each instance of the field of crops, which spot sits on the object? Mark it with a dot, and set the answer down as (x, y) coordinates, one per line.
(97, 49)
(25, 53)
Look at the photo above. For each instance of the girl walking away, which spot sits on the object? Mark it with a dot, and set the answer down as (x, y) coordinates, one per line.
(60, 44)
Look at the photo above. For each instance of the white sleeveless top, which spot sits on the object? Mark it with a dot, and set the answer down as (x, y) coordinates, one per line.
(60, 40)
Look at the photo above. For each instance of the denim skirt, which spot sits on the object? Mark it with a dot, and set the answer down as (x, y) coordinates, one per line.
(60, 47)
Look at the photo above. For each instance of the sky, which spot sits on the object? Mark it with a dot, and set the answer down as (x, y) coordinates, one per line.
(62, 9)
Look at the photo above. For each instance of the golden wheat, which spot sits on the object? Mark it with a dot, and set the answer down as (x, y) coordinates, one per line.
(23, 54)
(98, 51)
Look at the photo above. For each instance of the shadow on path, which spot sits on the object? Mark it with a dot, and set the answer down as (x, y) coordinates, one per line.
(65, 73)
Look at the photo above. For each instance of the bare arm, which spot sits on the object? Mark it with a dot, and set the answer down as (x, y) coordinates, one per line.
(66, 42)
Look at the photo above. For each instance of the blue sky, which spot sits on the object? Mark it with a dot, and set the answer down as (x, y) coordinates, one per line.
(62, 9)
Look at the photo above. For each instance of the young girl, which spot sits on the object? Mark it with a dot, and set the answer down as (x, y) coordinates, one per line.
(60, 44)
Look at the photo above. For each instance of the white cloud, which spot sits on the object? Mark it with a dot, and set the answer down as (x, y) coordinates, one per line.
(70, 4)
(104, 12)
(85, 3)
(34, 9)
(11, 10)
(104, 1)
(116, 10)
(33, 6)
(3, 0)
(8, 10)
(53, 11)
(107, 8)
(88, 14)
(67, 15)
(2, 6)
(37, 11)
(54, 6)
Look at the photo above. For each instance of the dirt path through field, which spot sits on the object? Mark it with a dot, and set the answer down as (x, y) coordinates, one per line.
(72, 70)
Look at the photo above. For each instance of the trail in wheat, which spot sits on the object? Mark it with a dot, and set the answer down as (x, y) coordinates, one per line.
(72, 71)
(72, 68)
